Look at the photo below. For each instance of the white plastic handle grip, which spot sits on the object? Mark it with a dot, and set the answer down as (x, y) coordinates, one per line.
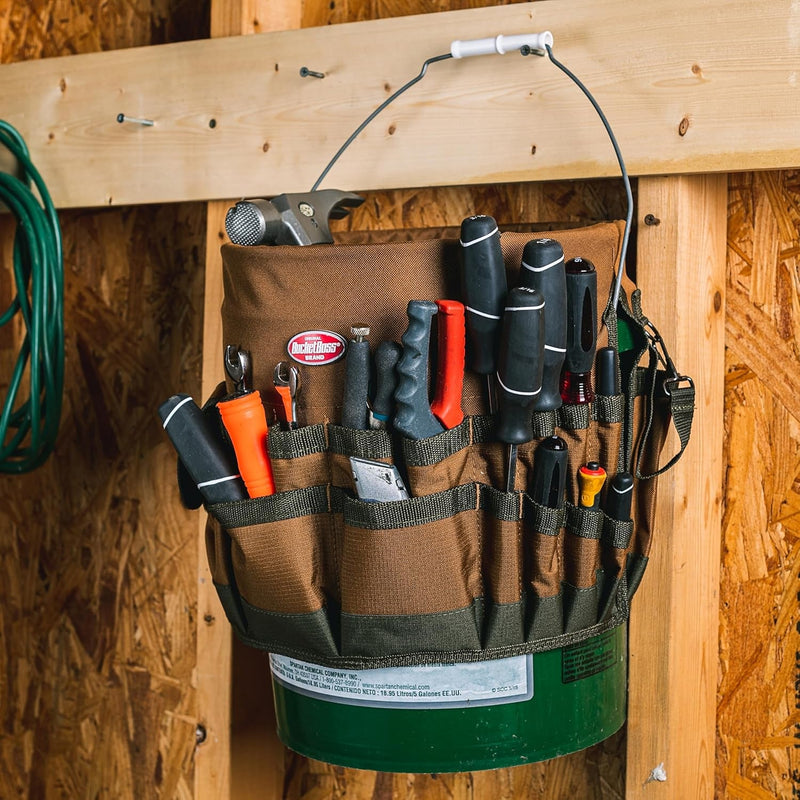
(500, 44)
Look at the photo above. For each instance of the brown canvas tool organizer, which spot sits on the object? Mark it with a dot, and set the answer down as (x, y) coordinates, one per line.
(463, 570)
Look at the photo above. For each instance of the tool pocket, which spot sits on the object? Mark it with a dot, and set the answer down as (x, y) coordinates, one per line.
(543, 570)
(604, 440)
(465, 569)
(344, 443)
(299, 457)
(280, 559)
(439, 462)
(501, 523)
(574, 428)
(615, 541)
(410, 574)
(218, 552)
(581, 565)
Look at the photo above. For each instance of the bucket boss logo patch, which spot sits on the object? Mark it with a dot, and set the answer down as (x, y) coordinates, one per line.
(316, 348)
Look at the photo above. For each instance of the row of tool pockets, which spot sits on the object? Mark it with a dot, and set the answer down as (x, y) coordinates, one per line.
(460, 567)
(315, 573)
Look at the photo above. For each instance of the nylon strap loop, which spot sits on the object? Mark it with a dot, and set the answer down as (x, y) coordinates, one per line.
(584, 522)
(273, 508)
(617, 533)
(304, 441)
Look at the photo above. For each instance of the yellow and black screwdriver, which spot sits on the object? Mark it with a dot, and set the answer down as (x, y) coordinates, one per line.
(591, 478)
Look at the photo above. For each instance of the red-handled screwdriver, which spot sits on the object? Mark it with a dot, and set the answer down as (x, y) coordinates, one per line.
(246, 423)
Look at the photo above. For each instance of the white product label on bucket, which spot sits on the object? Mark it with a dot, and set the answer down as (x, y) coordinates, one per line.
(506, 680)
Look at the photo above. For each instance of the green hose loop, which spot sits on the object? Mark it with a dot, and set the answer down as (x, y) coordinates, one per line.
(29, 425)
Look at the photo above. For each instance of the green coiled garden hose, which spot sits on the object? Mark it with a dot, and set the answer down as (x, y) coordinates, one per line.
(31, 409)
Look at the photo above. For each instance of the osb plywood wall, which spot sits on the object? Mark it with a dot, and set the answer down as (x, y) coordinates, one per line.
(97, 561)
(759, 685)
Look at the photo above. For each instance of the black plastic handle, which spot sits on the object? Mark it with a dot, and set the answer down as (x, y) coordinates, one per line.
(483, 289)
(413, 417)
(542, 269)
(581, 315)
(355, 399)
(201, 450)
(606, 370)
(550, 472)
(619, 495)
(387, 356)
(521, 362)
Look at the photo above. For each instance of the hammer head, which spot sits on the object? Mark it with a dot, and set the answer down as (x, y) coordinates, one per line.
(298, 219)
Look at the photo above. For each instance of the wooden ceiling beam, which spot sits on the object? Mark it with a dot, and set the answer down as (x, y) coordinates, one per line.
(688, 86)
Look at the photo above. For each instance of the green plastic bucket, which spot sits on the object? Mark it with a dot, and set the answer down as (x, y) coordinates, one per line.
(455, 717)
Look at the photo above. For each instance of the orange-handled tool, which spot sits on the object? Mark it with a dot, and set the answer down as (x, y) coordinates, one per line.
(446, 405)
(286, 380)
(591, 478)
(246, 423)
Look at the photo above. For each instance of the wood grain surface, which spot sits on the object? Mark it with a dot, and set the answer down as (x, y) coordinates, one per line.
(233, 117)
(97, 557)
(674, 617)
(99, 562)
(758, 711)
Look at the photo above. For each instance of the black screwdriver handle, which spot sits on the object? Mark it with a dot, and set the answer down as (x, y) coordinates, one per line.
(387, 356)
(618, 497)
(606, 370)
(581, 315)
(355, 399)
(483, 289)
(201, 450)
(413, 417)
(550, 464)
(543, 269)
(521, 362)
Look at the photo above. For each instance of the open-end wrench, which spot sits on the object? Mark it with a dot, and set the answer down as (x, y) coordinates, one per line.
(286, 380)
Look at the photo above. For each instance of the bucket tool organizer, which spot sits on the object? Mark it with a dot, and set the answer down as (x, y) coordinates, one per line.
(463, 570)
(523, 534)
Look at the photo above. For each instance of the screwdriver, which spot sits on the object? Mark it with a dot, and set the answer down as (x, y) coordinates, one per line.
(543, 269)
(414, 418)
(617, 507)
(201, 451)
(606, 368)
(483, 289)
(519, 371)
(246, 424)
(355, 402)
(591, 478)
(550, 472)
(576, 379)
(387, 354)
(619, 496)
(446, 405)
